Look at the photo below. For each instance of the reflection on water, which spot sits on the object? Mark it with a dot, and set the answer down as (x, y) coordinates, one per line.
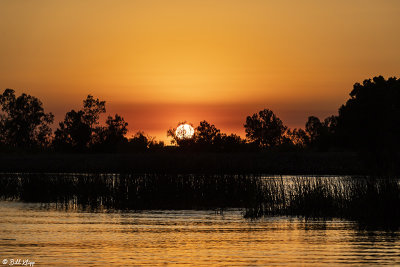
(50, 236)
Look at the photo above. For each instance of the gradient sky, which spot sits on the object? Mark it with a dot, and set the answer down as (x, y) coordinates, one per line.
(160, 62)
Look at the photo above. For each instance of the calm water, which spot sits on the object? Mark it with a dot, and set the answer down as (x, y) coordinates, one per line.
(50, 236)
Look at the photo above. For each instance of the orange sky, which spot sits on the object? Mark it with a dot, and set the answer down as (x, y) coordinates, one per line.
(160, 62)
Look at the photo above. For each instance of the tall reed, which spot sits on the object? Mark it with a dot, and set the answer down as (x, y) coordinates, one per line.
(374, 199)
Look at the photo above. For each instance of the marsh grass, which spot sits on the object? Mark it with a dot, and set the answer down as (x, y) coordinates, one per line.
(136, 192)
(367, 199)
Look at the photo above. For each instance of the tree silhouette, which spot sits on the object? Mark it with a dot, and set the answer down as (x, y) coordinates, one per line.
(139, 142)
(370, 119)
(298, 137)
(232, 142)
(92, 108)
(24, 123)
(314, 128)
(322, 135)
(73, 132)
(184, 142)
(265, 129)
(79, 129)
(207, 135)
(111, 136)
(142, 142)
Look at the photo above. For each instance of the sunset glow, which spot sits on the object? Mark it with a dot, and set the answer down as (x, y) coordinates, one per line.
(159, 62)
(184, 131)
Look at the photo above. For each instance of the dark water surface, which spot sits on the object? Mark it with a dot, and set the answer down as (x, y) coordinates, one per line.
(52, 236)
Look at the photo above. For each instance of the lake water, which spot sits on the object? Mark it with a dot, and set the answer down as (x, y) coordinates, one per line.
(51, 236)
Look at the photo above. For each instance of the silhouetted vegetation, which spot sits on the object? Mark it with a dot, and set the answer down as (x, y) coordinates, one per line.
(23, 123)
(112, 136)
(368, 124)
(181, 141)
(265, 129)
(371, 200)
(136, 192)
(365, 199)
(361, 139)
(142, 142)
(208, 138)
(80, 129)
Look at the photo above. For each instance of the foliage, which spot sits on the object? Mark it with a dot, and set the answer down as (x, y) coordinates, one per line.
(92, 108)
(111, 136)
(265, 129)
(24, 124)
(298, 137)
(370, 119)
(314, 128)
(79, 129)
(139, 142)
(321, 134)
(208, 138)
(232, 142)
(207, 134)
(185, 143)
(73, 132)
(368, 122)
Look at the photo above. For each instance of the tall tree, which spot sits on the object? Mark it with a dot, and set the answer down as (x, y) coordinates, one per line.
(73, 132)
(298, 137)
(113, 134)
(314, 128)
(370, 119)
(265, 129)
(207, 134)
(80, 128)
(24, 123)
(92, 108)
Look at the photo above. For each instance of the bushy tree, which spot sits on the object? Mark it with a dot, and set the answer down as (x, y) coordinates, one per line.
(73, 132)
(265, 129)
(92, 109)
(111, 136)
(186, 143)
(80, 128)
(370, 119)
(142, 142)
(322, 135)
(298, 137)
(139, 142)
(231, 143)
(207, 135)
(24, 123)
(314, 128)
(209, 138)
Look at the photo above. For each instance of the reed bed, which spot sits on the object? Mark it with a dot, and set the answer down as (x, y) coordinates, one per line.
(128, 191)
(369, 199)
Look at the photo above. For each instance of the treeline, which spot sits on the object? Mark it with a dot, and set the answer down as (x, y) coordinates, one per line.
(369, 122)
(25, 126)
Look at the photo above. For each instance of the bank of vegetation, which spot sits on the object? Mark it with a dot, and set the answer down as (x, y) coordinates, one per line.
(366, 199)
(361, 138)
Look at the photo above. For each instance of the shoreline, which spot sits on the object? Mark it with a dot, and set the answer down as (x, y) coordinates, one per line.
(268, 163)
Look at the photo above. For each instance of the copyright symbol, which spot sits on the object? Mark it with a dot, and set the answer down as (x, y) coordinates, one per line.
(5, 261)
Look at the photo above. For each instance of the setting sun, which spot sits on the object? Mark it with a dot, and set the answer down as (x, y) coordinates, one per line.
(227, 132)
(184, 131)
